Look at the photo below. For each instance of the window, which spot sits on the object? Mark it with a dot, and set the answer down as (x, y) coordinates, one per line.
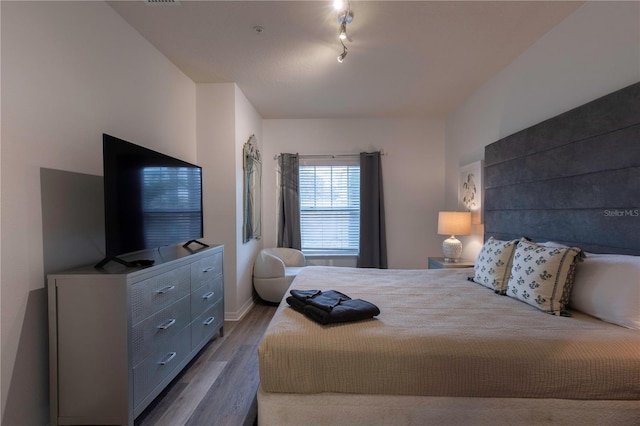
(330, 205)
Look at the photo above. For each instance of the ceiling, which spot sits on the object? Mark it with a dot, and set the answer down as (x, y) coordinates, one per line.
(413, 58)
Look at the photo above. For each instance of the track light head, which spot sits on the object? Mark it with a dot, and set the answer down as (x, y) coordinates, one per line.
(343, 31)
(344, 54)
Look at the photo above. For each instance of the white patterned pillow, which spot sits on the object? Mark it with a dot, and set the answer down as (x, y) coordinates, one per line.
(566, 294)
(539, 275)
(493, 265)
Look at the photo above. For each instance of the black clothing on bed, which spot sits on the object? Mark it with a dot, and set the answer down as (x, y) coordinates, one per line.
(330, 306)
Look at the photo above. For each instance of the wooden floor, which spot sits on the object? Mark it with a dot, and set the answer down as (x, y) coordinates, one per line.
(219, 386)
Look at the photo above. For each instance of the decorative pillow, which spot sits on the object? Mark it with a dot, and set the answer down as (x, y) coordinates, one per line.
(493, 265)
(566, 293)
(607, 286)
(539, 275)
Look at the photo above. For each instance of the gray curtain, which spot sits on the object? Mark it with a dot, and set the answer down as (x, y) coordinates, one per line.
(373, 238)
(289, 209)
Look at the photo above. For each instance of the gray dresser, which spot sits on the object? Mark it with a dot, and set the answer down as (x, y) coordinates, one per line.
(118, 336)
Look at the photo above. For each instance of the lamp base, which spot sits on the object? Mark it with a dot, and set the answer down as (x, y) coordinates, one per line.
(451, 249)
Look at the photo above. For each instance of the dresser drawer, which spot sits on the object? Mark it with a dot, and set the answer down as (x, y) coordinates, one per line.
(205, 269)
(205, 326)
(159, 365)
(158, 292)
(148, 335)
(206, 296)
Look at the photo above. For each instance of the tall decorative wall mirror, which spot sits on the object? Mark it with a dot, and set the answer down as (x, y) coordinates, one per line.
(252, 165)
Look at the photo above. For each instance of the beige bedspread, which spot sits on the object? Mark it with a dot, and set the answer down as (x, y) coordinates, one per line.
(441, 335)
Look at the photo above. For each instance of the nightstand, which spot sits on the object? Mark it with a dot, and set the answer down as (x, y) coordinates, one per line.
(439, 263)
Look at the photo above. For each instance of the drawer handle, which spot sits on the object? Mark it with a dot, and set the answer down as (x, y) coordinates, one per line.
(168, 358)
(209, 269)
(208, 321)
(167, 324)
(167, 289)
(208, 295)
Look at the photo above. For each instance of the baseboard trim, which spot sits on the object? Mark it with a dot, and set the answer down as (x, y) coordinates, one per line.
(239, 314)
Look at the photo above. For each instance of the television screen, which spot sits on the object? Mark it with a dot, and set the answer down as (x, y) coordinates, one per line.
(151, 199)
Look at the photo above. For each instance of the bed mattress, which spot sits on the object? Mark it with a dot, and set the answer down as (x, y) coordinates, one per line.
(439, 334)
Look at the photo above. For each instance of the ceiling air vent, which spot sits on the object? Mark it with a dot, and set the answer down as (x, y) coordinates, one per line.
(167, 2)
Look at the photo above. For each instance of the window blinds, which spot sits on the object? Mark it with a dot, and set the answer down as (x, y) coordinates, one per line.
(171, 204)
(330, 205)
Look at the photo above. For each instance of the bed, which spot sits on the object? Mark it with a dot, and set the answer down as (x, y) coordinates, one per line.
(448, 350)
(441, 341)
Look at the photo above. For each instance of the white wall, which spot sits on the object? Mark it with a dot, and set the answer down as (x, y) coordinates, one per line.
(216, 154)
(413, 174)
(70, 71)
(593, 52)
(248, 122)
(225, 121)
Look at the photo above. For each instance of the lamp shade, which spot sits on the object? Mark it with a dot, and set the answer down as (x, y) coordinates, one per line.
(454, 223)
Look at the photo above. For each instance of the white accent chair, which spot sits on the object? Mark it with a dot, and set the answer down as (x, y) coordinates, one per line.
(274, 270)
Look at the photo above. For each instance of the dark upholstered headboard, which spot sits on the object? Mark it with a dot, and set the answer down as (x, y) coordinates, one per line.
(573, 179)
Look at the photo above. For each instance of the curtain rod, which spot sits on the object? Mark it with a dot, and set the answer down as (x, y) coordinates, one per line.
(275, 157)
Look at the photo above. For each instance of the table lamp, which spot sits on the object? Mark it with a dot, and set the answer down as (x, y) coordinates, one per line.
(453, 223)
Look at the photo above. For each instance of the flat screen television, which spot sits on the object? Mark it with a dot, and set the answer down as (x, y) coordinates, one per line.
(151, 200)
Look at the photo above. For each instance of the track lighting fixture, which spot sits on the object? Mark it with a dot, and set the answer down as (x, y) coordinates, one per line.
(344, 53)
(345, 16)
